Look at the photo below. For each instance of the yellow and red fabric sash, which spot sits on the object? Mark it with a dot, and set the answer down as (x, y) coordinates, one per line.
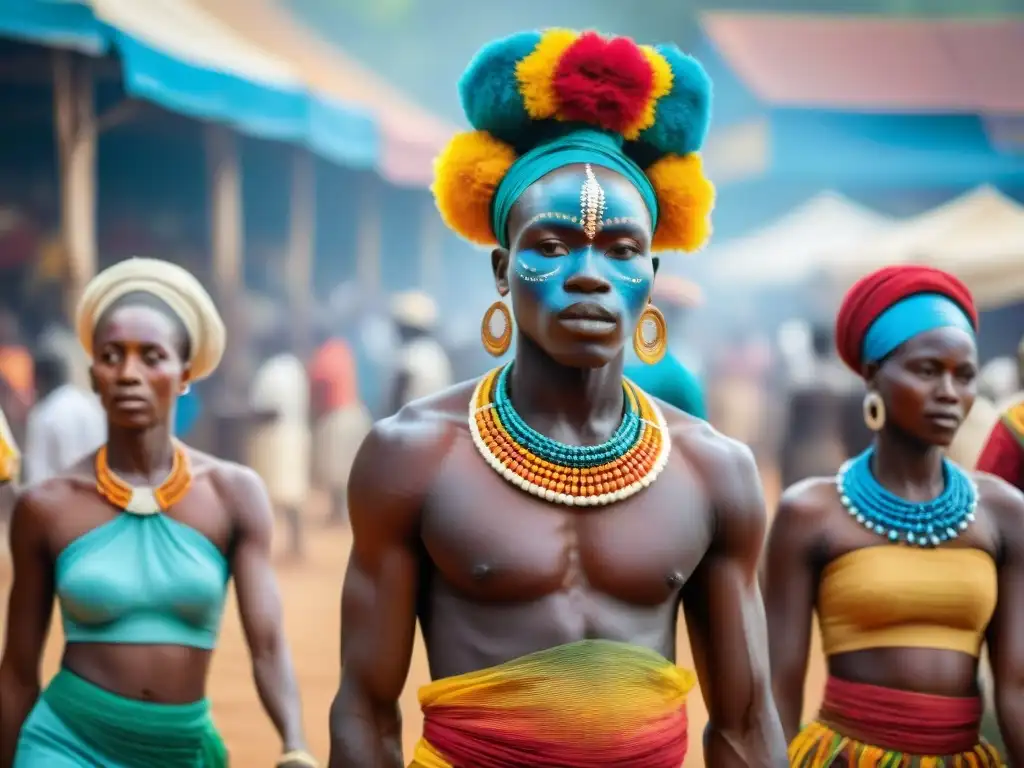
(581, 705)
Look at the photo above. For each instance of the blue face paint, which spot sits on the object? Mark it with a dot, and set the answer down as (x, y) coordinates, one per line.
(583, 228)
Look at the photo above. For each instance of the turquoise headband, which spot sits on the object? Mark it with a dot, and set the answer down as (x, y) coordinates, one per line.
(909, 317)
(579, 146)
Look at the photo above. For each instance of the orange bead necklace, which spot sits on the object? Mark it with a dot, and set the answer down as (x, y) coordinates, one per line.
(144, 500)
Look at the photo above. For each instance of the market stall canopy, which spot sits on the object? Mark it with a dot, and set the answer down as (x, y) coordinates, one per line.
(176, 54)
(874, 64)
(964, 218)
(411, 137)
(978, 236)
(801, 244)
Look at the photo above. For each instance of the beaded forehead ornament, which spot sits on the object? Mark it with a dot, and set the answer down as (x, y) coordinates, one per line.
(591, 204)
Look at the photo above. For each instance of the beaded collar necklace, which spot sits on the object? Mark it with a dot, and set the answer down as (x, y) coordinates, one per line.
(921, 524)
(575, 475)
(142, 500)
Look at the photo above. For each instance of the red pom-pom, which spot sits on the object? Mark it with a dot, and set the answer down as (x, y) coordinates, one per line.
(603, 82)
(873, 294)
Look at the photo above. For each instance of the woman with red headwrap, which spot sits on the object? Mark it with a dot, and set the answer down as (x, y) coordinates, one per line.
(911, 563)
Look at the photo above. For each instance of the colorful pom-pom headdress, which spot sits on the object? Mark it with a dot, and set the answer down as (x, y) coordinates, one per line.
(542, 100)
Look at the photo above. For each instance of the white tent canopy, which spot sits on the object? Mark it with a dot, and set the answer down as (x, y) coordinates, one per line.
(799, 244)
(978, 236)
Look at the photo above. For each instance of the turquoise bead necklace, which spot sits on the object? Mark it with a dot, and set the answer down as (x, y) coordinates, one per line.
(921, 524)
(578, 456)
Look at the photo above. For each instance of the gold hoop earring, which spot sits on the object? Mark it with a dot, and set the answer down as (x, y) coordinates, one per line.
(496, 346)
(874, 411)
(651, 352)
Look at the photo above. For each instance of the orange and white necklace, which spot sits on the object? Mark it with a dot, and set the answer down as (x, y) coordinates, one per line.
(144, 500)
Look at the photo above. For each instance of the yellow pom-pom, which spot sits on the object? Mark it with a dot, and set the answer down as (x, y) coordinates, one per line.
(466, 174)
(536, 73)
(661, 86)
(685, 199)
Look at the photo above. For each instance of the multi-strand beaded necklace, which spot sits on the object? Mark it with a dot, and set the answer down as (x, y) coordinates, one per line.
(919, 524)
(569, 474)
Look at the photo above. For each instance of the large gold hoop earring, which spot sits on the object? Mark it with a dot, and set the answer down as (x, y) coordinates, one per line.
(874, 411)
(496, 345)
(652, 351)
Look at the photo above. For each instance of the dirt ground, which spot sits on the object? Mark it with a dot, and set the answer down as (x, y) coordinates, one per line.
(311, 597)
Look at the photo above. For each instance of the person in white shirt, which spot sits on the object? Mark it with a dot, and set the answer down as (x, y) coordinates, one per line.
(280, 443)
(64, 425)
(423, 367)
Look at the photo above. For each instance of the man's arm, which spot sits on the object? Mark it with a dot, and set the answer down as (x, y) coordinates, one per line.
(725, 615)
(378, 603)
(1006, 630)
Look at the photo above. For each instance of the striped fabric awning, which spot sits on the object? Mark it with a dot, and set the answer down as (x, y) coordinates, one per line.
(175, 54)
(411, 137)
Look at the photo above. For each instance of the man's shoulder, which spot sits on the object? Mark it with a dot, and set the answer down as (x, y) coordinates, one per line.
(725, 467)
(399, 462)
(422, 427)
(704, 446)
(728, 473)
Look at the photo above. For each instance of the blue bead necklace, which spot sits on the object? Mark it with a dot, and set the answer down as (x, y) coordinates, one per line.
(579, 456)
(920, 524)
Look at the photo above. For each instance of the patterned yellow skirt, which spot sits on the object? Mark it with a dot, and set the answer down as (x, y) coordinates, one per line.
(899, 729)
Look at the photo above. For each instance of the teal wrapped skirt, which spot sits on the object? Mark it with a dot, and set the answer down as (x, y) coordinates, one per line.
(76, 724)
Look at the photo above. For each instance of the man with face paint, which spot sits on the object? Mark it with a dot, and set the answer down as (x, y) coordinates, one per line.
(546, 523)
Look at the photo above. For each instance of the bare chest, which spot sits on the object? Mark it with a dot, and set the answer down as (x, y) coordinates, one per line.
(490, 541)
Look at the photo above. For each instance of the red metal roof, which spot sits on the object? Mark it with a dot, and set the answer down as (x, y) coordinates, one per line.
(873, 64)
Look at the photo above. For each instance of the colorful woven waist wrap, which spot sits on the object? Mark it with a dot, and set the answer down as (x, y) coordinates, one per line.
(866, 725)
(99, 727)
(582, 705)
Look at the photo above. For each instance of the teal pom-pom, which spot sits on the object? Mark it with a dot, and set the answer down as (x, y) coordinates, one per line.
(682, 116)
(489, 89)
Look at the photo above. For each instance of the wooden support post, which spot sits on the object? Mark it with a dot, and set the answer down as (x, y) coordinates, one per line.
(226, 237)
(76, 139)
(368, 236)
(301, 242)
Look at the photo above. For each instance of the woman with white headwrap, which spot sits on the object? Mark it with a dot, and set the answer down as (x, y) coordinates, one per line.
(142, 566)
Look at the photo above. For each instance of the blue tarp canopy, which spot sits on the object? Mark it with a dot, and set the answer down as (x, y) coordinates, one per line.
(176, 55)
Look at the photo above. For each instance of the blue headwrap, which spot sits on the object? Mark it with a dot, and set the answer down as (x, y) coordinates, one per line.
(578, 146)
(908, 318)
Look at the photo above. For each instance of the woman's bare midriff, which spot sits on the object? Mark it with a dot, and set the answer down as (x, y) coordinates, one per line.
(161, 674)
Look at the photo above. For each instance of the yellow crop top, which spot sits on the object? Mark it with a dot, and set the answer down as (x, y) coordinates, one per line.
(892, 596)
